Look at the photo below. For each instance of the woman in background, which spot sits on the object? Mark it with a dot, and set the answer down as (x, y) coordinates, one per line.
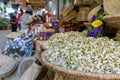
(18, 18)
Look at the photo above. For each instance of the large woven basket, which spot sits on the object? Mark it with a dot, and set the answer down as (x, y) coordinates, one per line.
(22, 32)
(31, 73)
(7, 65)
(99, 1)
(112, 6)
(117, 35)
(67, 10)
(25, 64)
(76, 75)
(88, 1)
(13, 35)
(112, 20)
(93, 12)
(78, 2)
(82, 14)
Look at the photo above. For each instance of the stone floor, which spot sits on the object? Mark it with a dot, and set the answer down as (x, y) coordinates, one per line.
(3, 38)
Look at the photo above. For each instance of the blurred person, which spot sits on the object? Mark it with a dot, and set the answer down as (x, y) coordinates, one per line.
(18, 18)
(26, 18)
(13, 23)
(36, 19)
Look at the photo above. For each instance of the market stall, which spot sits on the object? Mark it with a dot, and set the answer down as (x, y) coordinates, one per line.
(72, 56)
(65, 52)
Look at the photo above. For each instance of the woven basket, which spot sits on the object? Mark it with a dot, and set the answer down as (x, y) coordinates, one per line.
(93, 12)
(69, 16)
(78, 2)
(32, 72)
(43, 43)
(67, 10)
(84, 9)
(112, 20)
(118, 34)
(7, 65)
(87, 24)
(25, 64)
(82, 14)
(112, 6)
(22, 32)
(118, 31)
(117, 38)
(88, 1)
(99, 1)
(38, 47)
(12, 35)
(76, 75)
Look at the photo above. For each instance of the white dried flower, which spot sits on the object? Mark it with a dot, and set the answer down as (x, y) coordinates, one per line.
(72, 50)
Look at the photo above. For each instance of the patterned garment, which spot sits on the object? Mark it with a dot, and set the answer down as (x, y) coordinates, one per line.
(25, 20)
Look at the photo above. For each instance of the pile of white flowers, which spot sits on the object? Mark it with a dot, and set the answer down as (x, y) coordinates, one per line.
(73, 51)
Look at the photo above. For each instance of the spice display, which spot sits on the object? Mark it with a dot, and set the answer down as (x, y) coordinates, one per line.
(71, 50)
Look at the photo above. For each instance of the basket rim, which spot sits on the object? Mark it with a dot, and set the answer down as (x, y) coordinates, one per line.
(75, 73)
(12, 35)
(111, 16)
(10, 68)
(112, 20)
(93, 12)
(111, 7)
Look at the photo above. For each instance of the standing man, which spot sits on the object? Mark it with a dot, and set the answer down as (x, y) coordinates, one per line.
(27, 17)
(13, 23)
